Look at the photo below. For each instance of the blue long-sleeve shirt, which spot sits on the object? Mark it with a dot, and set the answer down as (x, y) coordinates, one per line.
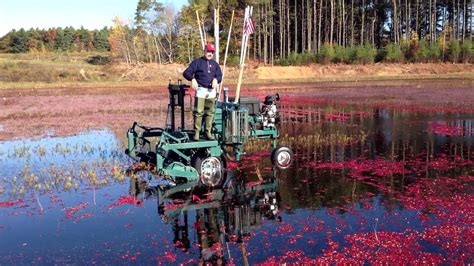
(204, 71)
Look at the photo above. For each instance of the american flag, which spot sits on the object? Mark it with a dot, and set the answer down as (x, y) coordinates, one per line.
(249, 28)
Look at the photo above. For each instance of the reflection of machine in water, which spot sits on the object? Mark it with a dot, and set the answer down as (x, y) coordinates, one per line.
(222, 216)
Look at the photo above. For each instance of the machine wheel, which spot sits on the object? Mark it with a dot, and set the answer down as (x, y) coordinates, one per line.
(211, 170)
(282, 157)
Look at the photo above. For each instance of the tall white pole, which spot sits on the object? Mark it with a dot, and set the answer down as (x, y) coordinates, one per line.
(226, 51)
(243, 53)
(200, 30)
(216, 33)
(203, 32)
(247, 44)
(243, 36)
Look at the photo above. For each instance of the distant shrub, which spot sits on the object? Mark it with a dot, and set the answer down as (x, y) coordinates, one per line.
(434, 53)
(393, 53)
(292, 58)
(363, 55)
(351, 54)
(295, 59)
(341, 54)
(98, 60)
(467, 52)
(453, 52)
(282, 62)
(326, 54)
(413, 50)
(233, 60)
(306, 58)
(422, 53)
(405, 46)
(380, 56)
(411, 54)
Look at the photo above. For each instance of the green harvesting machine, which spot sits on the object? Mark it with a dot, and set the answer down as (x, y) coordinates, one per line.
(170, 152)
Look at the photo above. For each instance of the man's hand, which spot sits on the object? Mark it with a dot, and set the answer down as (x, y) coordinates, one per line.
(215, 85)
(194, 84)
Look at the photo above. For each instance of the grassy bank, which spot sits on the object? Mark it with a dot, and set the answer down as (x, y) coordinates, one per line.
(52, 67)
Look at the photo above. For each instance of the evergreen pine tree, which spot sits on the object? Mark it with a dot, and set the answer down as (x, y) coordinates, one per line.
(19, 42)
(101, 42)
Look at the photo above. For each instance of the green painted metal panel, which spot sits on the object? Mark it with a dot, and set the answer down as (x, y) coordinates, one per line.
(178, 188)
(216, 151)
(218, 120)
(265, 133)
(178, 169)
(159, 161)
(190, 145)
(131, 143)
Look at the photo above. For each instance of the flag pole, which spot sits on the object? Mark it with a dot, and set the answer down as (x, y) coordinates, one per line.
(226, 50)
(243, 35)
(216, 33)
(243, 54)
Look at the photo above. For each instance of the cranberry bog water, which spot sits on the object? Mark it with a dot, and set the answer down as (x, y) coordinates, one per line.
(383, 174)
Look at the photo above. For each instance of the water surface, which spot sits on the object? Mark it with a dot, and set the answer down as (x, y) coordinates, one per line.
(367, 185)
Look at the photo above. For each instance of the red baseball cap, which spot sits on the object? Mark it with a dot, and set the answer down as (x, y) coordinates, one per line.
(210, 47)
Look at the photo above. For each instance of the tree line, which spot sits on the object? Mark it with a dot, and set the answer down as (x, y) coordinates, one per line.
(364, 30)
(287, 32)
(55, 40)
(292, 32)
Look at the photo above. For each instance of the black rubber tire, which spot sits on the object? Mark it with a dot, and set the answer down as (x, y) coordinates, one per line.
(197, 161)
(277, 154)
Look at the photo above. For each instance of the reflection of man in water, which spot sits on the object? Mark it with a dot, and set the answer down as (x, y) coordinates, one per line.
(210, 237)
(205, 76)
(221, 220)
(181, 236)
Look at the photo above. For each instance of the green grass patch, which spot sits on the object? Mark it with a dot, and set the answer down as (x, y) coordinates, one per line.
(51, 67)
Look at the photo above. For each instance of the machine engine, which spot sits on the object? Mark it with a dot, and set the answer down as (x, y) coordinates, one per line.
(269, 111)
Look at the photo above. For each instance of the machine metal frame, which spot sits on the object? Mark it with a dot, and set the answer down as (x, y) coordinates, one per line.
(176, 157)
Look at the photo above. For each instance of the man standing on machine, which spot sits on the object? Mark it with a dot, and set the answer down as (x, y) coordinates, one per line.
(205, 75)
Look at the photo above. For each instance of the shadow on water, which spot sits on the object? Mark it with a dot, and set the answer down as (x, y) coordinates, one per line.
(368, 186)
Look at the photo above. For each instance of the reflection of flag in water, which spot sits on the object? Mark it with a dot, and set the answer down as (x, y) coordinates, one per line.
(249, 28)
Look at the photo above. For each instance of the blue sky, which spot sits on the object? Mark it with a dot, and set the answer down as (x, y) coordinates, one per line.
(92, 14)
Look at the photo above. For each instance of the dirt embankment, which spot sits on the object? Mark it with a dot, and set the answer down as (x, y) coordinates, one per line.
(338, 72)
(267, 74)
